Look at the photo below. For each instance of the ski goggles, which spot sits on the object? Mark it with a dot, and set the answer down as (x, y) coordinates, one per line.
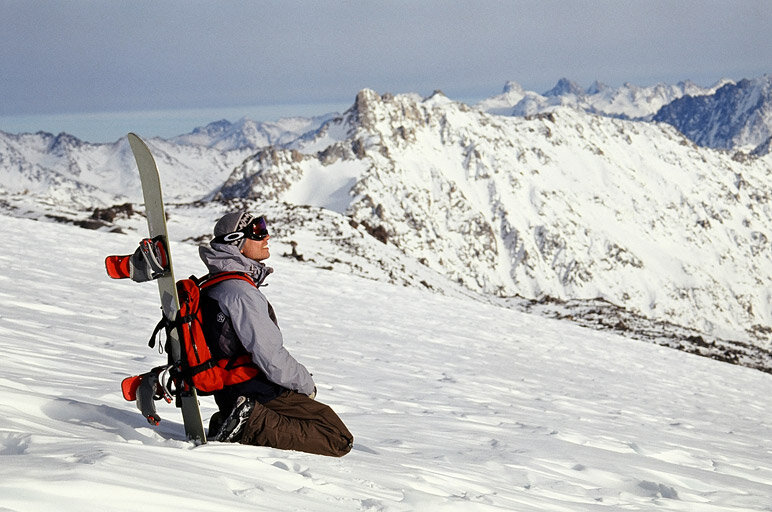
(257, 229)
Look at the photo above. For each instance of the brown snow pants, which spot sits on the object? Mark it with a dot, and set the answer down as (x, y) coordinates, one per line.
(294, 421)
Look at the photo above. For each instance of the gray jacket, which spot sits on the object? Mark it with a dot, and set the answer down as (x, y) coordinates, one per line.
(253, 318)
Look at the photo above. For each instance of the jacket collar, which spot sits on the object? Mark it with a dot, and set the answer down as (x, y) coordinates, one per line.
(227, 258)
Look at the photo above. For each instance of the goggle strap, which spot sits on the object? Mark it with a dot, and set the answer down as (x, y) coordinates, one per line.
(249, 229)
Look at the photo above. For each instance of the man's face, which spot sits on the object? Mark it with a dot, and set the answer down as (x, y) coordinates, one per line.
(257, 250)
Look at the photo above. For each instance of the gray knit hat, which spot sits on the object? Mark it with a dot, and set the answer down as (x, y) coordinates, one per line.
(231, 222)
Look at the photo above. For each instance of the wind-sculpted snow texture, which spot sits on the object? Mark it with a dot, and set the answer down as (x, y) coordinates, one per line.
(563, 204)
(454, 405)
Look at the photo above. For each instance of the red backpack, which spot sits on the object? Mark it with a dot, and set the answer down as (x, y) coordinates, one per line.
(203, 372)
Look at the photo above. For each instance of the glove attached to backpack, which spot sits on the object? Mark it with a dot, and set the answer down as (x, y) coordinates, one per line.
(150, 261)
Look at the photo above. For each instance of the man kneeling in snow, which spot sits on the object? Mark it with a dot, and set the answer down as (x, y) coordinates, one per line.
(277, 407)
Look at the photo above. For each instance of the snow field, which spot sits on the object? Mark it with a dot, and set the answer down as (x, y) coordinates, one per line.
(454, 405)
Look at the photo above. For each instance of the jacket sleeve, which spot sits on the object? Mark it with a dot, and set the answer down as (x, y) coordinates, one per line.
(247, 308)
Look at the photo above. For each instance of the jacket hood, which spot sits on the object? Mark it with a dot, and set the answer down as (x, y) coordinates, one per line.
(228, 258)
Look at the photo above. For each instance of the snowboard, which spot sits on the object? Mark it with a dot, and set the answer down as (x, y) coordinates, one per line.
(187, 400)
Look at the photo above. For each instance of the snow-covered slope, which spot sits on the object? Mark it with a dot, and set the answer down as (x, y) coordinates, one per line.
(566, 204)
(454, 405)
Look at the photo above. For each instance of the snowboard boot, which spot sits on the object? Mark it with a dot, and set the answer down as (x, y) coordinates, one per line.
(233, 426)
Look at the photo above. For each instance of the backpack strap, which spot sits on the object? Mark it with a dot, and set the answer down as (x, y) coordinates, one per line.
(165, 324)
(208, 281)
(203, 283)
(213, 279)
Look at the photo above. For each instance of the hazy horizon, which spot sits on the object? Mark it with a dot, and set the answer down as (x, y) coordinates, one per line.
(110, 126)
(83, 59)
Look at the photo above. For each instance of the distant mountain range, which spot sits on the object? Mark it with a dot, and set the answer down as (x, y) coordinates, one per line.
(248, 134)
(627, 102)
(65, 170)
(736, 115)
(544, 198)
(726, 115)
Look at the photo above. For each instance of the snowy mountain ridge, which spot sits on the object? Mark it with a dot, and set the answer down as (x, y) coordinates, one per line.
(726, 115)
(736, 115)
(564, 205)
(627, 102)
(249, 134)
(558, 206)
(63, 170)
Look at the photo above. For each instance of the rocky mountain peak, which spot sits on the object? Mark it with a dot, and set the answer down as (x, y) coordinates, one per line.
(565, 87)
(543, 206)
(597, 87)
(735, 115)
(366, 105)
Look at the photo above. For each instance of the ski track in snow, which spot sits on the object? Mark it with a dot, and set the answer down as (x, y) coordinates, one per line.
(454, 405)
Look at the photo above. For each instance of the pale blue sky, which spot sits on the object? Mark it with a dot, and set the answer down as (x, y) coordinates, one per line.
(74, 65)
